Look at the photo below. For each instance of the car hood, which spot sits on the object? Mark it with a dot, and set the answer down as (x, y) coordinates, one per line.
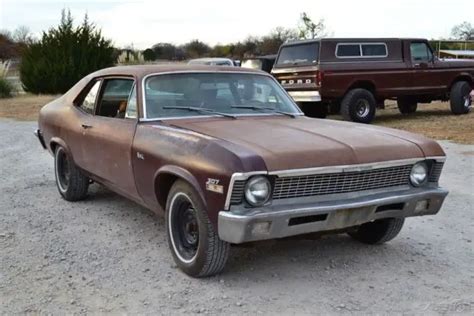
(285, 143)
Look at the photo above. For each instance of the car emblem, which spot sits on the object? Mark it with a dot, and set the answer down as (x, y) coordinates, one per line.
(214, 186)
(356, 169)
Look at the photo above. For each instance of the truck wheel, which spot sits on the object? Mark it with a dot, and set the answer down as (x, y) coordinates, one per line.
(314, 109)
(407, 105)
(460, 97)
(71, 183)
(196, 247)
(379, 231)
(358, 105)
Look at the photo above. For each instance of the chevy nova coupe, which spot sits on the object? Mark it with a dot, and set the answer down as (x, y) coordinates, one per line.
(226, 155)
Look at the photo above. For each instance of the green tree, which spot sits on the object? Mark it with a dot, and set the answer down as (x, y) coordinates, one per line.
(149, 54)
(64, 55)
(196, 48)
(463, 31)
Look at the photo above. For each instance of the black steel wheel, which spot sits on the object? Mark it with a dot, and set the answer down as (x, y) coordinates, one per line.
(71, 183)
(194, 243)
(461, 98)
(358, 105)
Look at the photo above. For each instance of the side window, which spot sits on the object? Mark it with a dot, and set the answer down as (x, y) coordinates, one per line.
(348, 50)
(132, 104)
(88, 104)
(420, 52)
(114, 97)
(374, 50)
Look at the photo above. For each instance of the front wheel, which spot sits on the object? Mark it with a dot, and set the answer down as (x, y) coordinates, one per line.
(379, 231)
(196, 247)
(71, 182)
(461, 98)
(358, 105)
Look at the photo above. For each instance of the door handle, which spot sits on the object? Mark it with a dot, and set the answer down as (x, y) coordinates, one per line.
(85, 126)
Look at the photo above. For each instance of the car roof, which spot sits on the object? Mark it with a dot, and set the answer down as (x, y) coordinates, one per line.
(144, 70)
(212, 59)
(349, 39)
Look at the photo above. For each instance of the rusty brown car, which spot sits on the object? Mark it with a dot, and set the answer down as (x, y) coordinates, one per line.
(355, 76)
(228, 157)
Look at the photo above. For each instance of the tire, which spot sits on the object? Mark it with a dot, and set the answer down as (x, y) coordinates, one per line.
(358, 105)
(379, 231)
(195, 246)
(314, 109)
(71, 183)
(407, 105)
(460, 98)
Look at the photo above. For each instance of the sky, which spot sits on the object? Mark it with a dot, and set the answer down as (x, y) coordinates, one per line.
(142, 23)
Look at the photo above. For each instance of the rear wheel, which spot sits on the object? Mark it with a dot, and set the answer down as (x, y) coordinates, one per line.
(379, 231)
(196, 247)
(358, 105)
(71, 183)
(407, 105)
(314, 109)
(461, 98)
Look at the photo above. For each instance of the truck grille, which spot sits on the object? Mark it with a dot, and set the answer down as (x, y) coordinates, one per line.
(335, 183)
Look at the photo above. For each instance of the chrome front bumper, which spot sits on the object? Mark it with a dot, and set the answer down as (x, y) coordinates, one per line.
(272, 222)
(305, 96)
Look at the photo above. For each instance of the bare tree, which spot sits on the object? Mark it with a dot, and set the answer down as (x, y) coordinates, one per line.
(22, 35)
(463, 31)
(309, 29)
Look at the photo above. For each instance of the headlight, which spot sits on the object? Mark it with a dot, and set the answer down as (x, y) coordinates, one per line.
(419, 174)
(258, 190)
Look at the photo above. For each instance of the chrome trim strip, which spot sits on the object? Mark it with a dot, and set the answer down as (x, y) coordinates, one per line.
(235, 177)
(305, 96)
(437, 158)
(345, 168)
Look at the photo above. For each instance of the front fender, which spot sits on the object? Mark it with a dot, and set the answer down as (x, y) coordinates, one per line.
(163, 182)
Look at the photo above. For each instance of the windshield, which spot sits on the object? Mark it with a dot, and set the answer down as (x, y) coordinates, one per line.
(300, 54)
(172, 95)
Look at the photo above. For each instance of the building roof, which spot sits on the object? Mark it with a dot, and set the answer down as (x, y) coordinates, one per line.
(469, 53)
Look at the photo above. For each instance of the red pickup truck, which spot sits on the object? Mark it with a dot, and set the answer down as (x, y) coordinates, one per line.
(356, 76)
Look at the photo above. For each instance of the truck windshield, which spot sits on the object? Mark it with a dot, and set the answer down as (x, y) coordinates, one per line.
(300, 54)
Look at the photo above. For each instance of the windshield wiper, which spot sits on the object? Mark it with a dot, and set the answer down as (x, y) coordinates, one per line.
(197, 109)
(254, 107)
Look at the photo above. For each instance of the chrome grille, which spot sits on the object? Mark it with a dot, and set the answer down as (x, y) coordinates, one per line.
(435, 173)
(237, 192)
(334, 183)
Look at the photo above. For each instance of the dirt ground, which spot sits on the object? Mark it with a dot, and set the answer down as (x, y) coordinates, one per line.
(433, 120)
(107, 255)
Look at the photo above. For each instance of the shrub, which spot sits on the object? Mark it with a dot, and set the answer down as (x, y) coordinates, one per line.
(63, 56)
(5, 88)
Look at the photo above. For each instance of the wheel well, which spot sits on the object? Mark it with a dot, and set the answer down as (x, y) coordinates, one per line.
(163, 184)
(462, 78)
(367, 85)
(53, 146)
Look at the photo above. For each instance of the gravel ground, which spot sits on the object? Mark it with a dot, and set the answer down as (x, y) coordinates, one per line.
(109, 255)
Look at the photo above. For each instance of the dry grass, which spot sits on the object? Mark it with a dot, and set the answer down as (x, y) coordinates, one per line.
(433, 120)
(24, 107)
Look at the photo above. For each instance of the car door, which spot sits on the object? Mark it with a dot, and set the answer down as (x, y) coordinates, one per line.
(424, 78)
(109, 133)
